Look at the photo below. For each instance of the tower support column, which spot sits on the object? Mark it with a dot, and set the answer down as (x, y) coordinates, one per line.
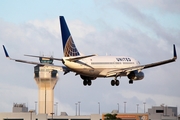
(46, 79)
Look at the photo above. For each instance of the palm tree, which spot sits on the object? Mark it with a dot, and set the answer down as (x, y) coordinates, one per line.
(109, 116)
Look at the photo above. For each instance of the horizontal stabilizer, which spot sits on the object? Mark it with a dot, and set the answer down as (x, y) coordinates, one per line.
(72, 59)
(55, 67)
(44, 57)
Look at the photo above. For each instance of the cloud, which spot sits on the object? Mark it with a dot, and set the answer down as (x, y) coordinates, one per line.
(157, 98)
(160, 84)
(150, 22)
(163, 5)
(16, 94)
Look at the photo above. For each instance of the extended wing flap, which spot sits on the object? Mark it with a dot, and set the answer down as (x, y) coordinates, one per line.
(116, 72)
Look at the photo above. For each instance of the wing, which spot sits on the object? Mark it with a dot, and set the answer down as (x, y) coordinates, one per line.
(163, 62)
(60, 68)
(126, 71)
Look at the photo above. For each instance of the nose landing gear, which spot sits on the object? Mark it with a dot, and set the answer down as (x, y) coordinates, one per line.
(87, 82)
(130, 81)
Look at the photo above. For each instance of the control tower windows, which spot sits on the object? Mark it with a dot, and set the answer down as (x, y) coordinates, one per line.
(36, 71)
(54, 73)
(45, 60)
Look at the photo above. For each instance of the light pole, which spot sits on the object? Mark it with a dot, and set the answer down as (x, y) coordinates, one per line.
(162, 105)
(79, 107)
(137, 107)
(54, 109)
(144, 106)
(124, 107)
(52, 115)
(76, 108)
(57, 108)
(35, 107)
(99, 107)
(31, 111)
(118, 107)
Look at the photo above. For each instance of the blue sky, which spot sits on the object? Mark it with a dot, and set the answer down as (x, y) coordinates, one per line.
(142, 29)
(22, 11)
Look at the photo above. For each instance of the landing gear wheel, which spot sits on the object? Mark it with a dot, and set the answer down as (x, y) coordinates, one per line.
(113, 82)
(130, 81)
(89, 82)
(117, 82)
(85, 82)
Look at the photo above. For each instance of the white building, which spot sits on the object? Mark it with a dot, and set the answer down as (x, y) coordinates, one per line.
(33, 116)
(154, 113)
(163, 113)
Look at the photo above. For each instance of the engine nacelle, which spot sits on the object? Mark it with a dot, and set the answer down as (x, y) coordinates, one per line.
(87, 77)
(135, 75)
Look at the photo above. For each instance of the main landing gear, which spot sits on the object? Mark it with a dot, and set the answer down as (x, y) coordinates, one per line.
(87, 82)
(115, 82)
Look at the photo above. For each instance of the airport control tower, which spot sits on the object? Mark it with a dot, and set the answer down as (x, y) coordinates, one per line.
(46, 79)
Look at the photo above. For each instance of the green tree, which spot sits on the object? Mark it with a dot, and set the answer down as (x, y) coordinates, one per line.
(109, 116)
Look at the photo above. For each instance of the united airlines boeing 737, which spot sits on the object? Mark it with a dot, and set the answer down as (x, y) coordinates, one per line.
(90, 67)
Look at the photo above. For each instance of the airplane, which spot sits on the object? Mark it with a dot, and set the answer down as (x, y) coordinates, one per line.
(90, 67)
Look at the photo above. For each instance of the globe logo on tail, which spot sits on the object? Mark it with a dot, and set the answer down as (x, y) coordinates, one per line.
(70, 48)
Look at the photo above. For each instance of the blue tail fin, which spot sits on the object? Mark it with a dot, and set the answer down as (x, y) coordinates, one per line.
(69, 47)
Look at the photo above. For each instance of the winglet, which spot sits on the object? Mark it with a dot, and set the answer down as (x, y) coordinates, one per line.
(5, 51)
(174, 51)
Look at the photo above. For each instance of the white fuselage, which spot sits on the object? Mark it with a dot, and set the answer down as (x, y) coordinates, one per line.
(99, 66)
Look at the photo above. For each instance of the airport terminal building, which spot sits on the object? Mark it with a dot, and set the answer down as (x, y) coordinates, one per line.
(20, 112)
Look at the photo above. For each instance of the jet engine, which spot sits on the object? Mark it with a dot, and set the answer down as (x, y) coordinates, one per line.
(135, 75)
(87, 77)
